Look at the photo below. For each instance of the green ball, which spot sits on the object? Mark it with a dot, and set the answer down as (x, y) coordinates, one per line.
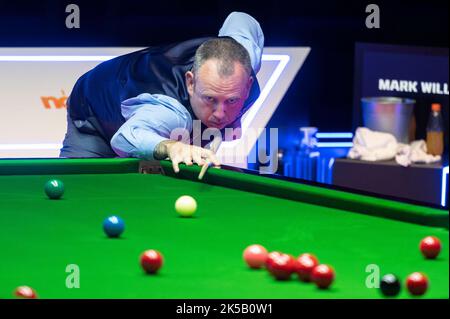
(54, 189)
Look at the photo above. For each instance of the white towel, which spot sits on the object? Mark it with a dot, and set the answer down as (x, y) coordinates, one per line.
(416, 152)
(378, 146)
(373, 146)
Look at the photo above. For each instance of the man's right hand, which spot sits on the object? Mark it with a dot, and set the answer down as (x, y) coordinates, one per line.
(179, 152)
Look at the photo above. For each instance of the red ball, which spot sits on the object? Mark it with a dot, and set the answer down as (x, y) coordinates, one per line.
(271, 257)
(417, 284)
(305, 263)
(322, 276)
(25, 292)
(255, 256)
(281, 266)
(151, 261)
(430, 247)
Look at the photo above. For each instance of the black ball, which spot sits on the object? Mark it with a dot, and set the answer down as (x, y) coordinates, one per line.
(390, 285)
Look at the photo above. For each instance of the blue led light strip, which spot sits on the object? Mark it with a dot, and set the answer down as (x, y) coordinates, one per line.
(444, 186)
(283, 61)
(334, 135)
(335, 144)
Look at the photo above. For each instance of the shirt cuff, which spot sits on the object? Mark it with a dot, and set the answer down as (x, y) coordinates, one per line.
(246, 30)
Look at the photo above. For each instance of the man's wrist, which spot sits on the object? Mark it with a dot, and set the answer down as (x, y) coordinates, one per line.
(161, 150)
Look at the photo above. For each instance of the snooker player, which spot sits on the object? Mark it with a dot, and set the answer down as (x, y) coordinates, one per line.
(129, 106)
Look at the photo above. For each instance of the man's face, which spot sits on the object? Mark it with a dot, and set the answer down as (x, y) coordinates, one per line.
(215, 100)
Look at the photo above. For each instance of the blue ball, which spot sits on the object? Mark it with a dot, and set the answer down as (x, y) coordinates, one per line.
(113, 226)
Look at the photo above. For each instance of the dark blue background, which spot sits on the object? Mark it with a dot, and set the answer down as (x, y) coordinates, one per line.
(321, 94)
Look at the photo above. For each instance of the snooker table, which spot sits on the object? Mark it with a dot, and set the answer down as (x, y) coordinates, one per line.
(202, 254)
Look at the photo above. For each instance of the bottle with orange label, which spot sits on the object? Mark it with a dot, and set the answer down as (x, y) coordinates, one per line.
(435, 131)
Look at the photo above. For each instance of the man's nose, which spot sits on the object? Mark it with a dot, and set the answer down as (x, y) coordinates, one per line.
(219, 112)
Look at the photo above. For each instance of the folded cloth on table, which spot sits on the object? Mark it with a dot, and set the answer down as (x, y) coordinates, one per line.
(373, 146)
(416, 152)
(370, 145)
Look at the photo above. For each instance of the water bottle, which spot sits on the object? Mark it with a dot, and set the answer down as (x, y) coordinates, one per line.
(435, 131)
(307, 156)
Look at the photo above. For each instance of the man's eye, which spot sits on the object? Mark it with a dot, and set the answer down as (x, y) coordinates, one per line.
(209, 99)
(232, 101)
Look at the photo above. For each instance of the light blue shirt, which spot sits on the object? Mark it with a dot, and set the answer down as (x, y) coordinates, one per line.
(150, 118)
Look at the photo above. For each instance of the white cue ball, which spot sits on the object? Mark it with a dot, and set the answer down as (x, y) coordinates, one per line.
(186, 206)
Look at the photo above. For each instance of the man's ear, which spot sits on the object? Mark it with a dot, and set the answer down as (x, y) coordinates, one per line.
(249, 86)
(189, 76)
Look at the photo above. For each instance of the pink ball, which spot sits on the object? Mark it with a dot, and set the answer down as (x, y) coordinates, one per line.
(255, 256)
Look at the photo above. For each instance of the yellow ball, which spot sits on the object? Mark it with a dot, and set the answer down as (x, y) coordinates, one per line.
(186, 206)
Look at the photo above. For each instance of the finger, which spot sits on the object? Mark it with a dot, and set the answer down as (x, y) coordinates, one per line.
(175, 163)
(205, 153)
(187, 157)
(197, 156)
(213, 158)
(210, 156)
(187, 160)
(198, 159)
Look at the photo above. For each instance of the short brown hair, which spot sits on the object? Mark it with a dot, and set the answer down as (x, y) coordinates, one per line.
(227, 51)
